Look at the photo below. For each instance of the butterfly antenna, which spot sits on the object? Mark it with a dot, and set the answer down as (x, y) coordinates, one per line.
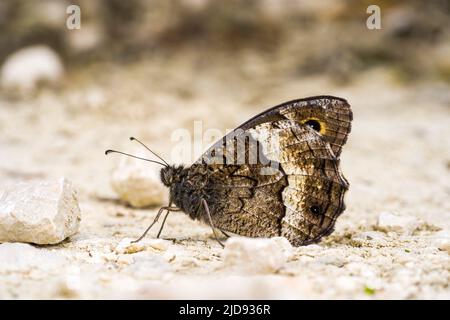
(142, 144)
(130, 155)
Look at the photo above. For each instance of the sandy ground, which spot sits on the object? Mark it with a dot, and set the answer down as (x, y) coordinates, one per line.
(397, 160)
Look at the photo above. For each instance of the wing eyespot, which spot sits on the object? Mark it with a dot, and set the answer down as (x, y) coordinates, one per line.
(315, 210)
(315, 124)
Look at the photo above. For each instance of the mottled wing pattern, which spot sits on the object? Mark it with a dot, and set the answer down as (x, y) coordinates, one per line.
(294, 188)
(314, 196)
(333, 114)
(243, 202)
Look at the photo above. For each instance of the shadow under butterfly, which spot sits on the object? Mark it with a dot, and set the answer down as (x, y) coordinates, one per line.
(248, 185)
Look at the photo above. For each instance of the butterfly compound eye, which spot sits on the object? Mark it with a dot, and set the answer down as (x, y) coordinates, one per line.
(314, 124)
(315, 210)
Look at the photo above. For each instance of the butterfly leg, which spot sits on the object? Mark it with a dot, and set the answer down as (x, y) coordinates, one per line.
(165, 218)
(205, 206)
(161, 210)
(224, 233)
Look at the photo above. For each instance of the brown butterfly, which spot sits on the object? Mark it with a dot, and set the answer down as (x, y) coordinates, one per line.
(247, 185)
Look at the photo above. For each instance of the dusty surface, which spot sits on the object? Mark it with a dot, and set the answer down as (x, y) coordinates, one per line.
(397, 161)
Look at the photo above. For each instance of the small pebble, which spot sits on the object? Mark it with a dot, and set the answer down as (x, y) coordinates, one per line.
(254, 255)
(138, 184)
(25, 68)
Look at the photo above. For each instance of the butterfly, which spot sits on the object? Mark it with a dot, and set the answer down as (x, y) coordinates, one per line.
(278, 174)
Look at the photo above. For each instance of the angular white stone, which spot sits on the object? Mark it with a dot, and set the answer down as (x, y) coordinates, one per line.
(24, 68)
(138, 183)
(43, 212)
(252, 255)
(401, 224)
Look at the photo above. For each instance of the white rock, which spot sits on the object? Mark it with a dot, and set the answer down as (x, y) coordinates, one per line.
(138, 183)
(255, 255)
(400, 224)
(25, 68)
(43, 212)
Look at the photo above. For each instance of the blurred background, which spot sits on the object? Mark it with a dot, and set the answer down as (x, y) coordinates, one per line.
(300, 37)
(146, 68)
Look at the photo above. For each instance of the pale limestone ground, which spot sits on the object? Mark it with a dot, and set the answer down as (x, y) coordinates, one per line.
(397, 160)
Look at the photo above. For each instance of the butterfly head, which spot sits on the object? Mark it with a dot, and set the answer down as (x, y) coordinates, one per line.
(171, 175)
